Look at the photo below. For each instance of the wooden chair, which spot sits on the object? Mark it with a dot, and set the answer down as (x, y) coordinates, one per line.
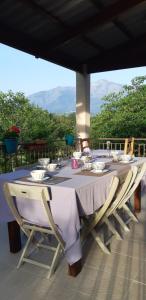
(30, 207)
(103, 216)
(125, 202)
(112, 210)
(89, 225)
(129, 146)
(84, 143)
(121, 206)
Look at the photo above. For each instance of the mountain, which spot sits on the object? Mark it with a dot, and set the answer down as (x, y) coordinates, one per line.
(61, 100)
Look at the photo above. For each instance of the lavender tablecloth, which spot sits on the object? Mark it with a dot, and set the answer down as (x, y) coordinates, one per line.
(71, 198)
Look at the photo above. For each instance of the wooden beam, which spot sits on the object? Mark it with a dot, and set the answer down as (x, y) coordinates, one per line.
(37, 8)
(131, 54)
(50, 17)
(26, 43)
(106, 15)
(117, 23)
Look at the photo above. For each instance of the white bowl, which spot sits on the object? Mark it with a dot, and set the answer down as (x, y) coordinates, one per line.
(98, 165)
(126, 157)
(38, 174)
(77, 154)
(51, 167)
(44, 161)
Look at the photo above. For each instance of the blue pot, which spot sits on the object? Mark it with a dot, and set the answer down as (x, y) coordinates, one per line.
(11, 145)
(69, 139)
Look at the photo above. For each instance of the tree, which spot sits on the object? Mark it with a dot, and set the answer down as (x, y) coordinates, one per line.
(34, 122)
(123, 114)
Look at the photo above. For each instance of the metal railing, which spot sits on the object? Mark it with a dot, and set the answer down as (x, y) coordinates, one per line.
(29, 153)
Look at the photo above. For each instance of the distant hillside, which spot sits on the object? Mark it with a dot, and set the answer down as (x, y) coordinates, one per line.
(62, 99)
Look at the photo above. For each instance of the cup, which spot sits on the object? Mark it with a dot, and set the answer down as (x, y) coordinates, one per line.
(87, 166)
(77, 154)
(38, 174)
(51, 167)
(44, 161)
(98, 165)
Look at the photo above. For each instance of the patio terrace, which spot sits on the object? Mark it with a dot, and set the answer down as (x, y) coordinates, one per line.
(119, 276)
(29, 153)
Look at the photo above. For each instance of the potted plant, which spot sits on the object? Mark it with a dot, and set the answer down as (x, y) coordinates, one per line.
(11, 139)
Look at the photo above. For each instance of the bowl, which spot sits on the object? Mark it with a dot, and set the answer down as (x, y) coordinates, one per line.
(98, 165)
(77, 154)
(126, 157)
(51, 167)
(38, 174)
(44, 161)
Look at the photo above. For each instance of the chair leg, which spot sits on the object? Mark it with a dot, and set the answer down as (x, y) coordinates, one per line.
(103, 247)
(130, 213)
(25, 249)
(112, 228)
(55, 260)
(122, 223)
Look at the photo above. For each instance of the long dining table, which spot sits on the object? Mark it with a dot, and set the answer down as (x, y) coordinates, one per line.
(75, 193)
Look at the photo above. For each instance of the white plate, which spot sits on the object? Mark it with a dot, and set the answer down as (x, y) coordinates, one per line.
(32, 179)
(99, 171)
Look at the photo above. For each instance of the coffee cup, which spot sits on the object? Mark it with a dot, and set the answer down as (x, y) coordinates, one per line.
(51, 167)
(98, 165)
(38, 174)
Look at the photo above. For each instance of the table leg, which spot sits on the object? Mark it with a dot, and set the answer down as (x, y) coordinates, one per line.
(14, 237)
(137, 199)
(75, 269)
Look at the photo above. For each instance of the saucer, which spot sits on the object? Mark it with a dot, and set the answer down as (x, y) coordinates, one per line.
(38, 180)
(99, 171)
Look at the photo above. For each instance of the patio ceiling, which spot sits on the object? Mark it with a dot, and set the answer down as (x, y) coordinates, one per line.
(101, 34)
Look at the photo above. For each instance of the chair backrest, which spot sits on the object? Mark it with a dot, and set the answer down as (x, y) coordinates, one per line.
(120, 193)
(134, 175)
(129, 146)
(85, 143)
(30, 205)
(137, 181)
(101, 212)
(112, 192)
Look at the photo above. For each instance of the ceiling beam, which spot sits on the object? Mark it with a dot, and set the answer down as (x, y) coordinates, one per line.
(117, 23)
(106, 15)
(40, 10)
(128, 55)
(26, 43)
(48, 15)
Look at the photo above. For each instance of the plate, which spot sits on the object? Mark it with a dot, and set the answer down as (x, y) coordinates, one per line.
(38, 180)
(99, 171)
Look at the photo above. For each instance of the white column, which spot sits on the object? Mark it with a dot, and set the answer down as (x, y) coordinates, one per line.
(82, 104)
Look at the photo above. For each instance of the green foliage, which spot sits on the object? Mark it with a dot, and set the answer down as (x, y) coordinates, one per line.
(123, 114)
(34, 122)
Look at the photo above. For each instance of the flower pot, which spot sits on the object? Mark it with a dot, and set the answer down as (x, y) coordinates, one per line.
(69, 139)
(11, 145)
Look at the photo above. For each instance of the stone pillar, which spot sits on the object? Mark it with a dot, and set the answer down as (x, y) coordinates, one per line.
(82, 104)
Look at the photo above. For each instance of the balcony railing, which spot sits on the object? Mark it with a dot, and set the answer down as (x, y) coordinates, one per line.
(29, 153)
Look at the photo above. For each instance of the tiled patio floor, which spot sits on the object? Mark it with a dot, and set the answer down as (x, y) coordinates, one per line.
(119, 276)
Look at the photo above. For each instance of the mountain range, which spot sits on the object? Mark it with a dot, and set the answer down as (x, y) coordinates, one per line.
(62, 100)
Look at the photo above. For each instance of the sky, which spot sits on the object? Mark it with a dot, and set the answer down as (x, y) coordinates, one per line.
(23, 72)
